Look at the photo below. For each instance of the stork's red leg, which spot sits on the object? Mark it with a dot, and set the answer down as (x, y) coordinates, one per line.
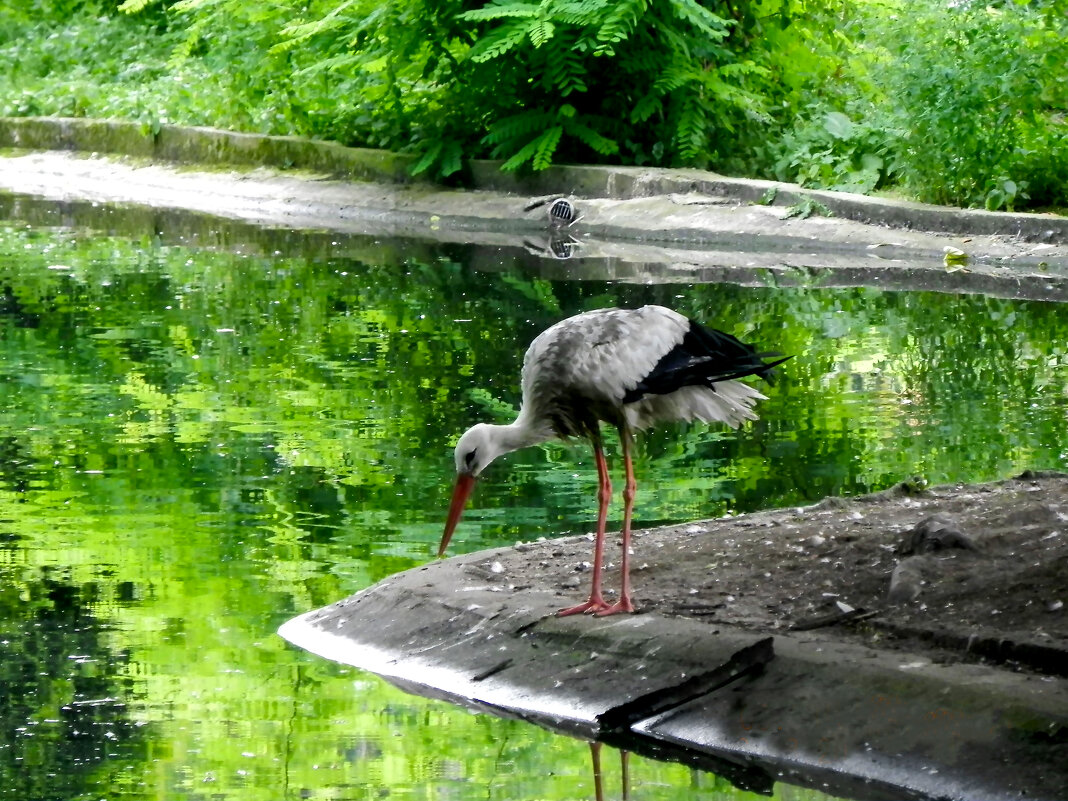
(624, 604)
(597, 603)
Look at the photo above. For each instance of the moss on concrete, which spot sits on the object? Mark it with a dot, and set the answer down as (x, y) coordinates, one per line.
(71, 133)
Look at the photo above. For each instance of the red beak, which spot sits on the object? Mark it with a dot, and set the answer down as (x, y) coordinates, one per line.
(464, 484)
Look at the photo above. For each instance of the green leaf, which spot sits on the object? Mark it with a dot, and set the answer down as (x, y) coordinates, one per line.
(701, 18)
(645, 108)
(541, 32)
(592, 139)
(871, 162)
(520, 126)
(451, 158)
(838, 125)
(494, 12)
(525, 153)
(428, 158)
(620, 22)
(135, 6)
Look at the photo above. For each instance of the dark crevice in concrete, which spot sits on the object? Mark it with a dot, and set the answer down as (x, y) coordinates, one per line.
(743, 662)
(995, 649)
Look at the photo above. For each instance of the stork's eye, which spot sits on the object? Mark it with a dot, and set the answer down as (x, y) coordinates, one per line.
(469, 457)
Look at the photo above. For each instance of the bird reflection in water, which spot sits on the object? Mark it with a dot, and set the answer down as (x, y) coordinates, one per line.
(598, 781)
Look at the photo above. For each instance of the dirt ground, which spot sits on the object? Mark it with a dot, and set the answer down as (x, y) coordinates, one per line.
(953, 573)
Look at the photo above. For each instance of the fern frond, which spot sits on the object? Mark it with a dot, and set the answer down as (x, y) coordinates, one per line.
(192, 5)
(672, 78)
(592, 139)
(494, 12)
(565, 69)
(645, 108)
(519, 126)
(446, 153)
(500, 40)
(620, 22)
(428, 158)
(701, 18)
(184, 49)
(541, 32)
(451, 158)
(525, 153)
(745, 68)
(547, 142)
(135, 6)
(297, 32)
(691, 131)
(581, 13)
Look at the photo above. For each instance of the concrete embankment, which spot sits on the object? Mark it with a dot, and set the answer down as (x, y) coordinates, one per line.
(733, 665)
(754, 709)
(205, 146)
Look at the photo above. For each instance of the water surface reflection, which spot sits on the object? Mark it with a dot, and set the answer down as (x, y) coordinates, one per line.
(197, 444)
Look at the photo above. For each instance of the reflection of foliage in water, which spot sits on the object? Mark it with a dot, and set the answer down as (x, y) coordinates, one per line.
(392, 358)
(230, 440)
(62, 717)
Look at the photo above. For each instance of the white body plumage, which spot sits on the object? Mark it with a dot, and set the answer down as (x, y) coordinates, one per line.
(602, 356)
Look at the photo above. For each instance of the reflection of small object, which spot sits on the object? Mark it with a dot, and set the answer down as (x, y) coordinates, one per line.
(562, 213)
(556, 246)
(562, 248)
(954, 258)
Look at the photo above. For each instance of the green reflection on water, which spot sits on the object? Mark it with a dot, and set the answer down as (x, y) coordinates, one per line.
(197, 445)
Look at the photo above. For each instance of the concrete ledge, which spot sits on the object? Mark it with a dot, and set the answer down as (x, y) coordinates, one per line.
(843, 718)
(198, 145)
(733, 662)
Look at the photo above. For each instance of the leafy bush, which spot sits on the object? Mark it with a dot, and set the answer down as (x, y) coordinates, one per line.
(526, 82)
(962, 103)
(976, 91)
(657, 81)
(831, 151)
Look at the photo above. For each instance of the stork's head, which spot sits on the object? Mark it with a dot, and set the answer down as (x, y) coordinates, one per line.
(476, 449)
(479, 446)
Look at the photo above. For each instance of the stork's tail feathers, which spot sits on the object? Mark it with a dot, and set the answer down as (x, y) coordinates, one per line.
(766, 370)
(729, 402)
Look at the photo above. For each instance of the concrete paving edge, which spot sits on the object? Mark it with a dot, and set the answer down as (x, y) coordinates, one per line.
(208, 146)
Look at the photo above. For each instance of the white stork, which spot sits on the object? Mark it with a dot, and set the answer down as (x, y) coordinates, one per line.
(630, 368)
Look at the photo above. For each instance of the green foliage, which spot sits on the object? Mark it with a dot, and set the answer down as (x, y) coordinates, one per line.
(831, 151)
(964, 104)
(971, 84)
(961, 104)
(642, 81)
(527, 82)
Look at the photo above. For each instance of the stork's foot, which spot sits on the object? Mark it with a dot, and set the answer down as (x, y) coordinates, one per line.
(596, 606)
(599, 607)
(622, 605)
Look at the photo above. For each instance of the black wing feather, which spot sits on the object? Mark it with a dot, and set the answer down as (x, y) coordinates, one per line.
(704, 357)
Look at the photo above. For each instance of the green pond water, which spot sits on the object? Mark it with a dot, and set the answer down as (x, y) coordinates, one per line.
(198, 443)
